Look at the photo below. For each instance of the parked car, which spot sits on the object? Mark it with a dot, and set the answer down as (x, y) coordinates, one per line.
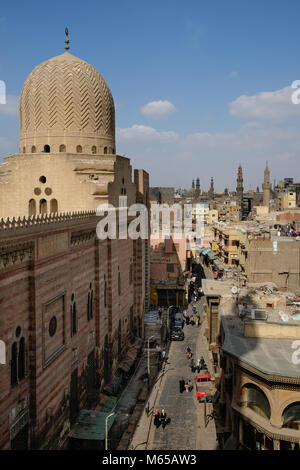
(177, 334)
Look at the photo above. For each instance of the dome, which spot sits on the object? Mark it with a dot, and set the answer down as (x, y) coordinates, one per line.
(66, 106)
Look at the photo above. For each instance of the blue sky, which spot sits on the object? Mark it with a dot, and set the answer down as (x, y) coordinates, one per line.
(219, 74)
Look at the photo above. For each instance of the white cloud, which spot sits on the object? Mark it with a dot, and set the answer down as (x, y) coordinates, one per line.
(268, 105)
(11, 108)
(158, 109)
(145, 134)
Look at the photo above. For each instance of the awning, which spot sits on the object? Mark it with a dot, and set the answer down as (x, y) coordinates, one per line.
(91, 425)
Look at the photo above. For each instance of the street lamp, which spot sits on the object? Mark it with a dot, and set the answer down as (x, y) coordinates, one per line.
(106, 431)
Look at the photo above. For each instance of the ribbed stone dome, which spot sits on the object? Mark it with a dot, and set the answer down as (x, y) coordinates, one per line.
(66, 106)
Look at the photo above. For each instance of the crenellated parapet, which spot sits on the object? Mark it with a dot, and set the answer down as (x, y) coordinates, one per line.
(43, 222)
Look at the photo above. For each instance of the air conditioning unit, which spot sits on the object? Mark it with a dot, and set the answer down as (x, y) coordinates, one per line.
(258, 314)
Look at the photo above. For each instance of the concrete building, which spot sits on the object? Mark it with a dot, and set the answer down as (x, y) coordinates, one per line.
(72, 304)
(251, 335)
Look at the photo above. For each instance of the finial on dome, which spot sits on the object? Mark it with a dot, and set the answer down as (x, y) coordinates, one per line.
(67, 39)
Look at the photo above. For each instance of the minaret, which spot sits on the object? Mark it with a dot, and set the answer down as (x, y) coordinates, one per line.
(239, 185)
(211, 191)
(197, 191)
(266, 187)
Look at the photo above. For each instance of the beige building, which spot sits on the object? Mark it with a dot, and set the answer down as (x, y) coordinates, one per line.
(72, 303)
(255, 370)
(67, 127)
(286, 200)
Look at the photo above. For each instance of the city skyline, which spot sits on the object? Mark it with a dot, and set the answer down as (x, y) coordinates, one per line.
(195, 92)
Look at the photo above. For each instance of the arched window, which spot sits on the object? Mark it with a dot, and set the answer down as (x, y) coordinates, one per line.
(33, 149)
(73, 312)
(43, 206)
(91, 304)
(21, 359)
(88, 306)
(113, 150)
(14, 365)
(53, 206)
(291, 416)
(105, 150)
(94, 149)
(256, 400)
(31, 207)
(79, 149)
(62, 148)
(47, 148)
(90, 312)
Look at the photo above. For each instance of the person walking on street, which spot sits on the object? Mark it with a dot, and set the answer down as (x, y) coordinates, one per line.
(190, 385)
(187, 387)
(198, 366)
(156, 415)
(192, 365)
(187, 320)
(181, 385)
(163, 418)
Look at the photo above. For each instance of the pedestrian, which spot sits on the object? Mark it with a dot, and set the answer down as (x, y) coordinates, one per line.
(181, 385)
(186, 387)
(163, 354)
(192, 365)
(198, 366)
(156, 418)
(199, 320)
(182, 324)
(187, 320)
(190, 385)
(188, 349)
(163, 418)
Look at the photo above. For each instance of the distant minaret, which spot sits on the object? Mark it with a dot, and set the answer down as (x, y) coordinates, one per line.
(193, 184)
(211, 191)
(266, 187)
(239, 185)
(197, 190)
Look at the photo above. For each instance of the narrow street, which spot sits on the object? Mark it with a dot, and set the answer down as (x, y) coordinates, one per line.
(187, 429)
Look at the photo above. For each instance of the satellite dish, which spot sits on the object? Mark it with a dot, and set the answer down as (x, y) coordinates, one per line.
(234, 290)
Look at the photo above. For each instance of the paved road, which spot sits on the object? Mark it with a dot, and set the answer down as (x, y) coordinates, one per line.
(186, 430)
